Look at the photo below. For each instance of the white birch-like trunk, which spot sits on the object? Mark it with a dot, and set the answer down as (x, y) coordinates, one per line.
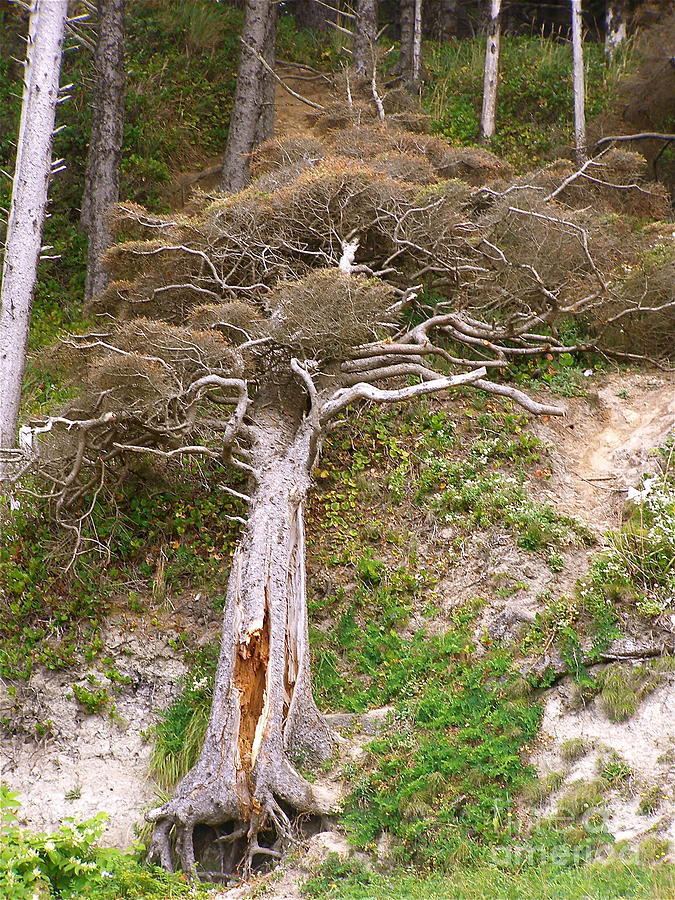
(29, 201)
(615, 27)
(491, 73)
(579, 85)
(417, 46)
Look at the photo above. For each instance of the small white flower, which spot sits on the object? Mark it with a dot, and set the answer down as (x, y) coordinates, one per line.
(588, 373)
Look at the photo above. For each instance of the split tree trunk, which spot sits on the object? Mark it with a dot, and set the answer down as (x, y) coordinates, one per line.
(245, 786)
(365, 39)
(250, 96)
(29, 202)
(491, 73)
(579, 84)
(102, 177)
(616, 14)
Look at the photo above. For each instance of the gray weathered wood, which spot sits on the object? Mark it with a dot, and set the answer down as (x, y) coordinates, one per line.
(579, 83)
(29, 202)
(491, 73)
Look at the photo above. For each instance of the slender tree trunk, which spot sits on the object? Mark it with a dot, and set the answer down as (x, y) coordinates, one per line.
(365, 39)
(417, 48)
(311, 15)
(410, 60)
(102, 178)
(407, 24)
(249, 96)
(245, 783)
(29, 202)
(616, 13)
(491, 73)
(265, 126)
(446, 26)
(579, 86)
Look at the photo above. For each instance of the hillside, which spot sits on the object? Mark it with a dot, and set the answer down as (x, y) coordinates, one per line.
(490, 592)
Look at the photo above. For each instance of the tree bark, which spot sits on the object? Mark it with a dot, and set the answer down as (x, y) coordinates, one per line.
(245, 785)
(579, 85)
(102, 177)
(409, 66)
(265, 126)
(446, 19)
(365, 39)
(250, 95)
(491, 73)
(29, 201)
(616, 13)
(311, 15)
(407, 24)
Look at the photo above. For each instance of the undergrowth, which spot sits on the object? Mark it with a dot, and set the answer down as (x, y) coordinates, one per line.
(69, 864)
(534, 108)
(616, 880)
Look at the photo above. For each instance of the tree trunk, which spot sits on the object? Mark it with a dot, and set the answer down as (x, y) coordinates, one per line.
(615, 26)
(245, 786)
(579, 86)
(102, 178)
(265, 126)
(491, 73)
(365, 39)
(29, 201)
(407, 23)
(311, 15)
(446, 20)
(249, 97)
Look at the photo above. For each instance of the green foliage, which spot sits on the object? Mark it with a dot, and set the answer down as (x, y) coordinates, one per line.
(538, 792)
(68, 864)
(534, 110)
(574, 749)
(651, 799)
(613, 880)
(94, 700)
(581, 798)
(179, 735)
(624, 686)
(162, 531)
(614, 769)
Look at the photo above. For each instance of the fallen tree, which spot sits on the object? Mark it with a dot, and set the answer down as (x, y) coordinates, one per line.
(242, 333)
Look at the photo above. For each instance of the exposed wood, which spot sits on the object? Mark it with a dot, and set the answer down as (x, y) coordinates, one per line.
(579, 82)
(491, 72)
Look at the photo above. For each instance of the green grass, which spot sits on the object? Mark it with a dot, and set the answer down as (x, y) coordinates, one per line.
(614, 880)
(534, 100)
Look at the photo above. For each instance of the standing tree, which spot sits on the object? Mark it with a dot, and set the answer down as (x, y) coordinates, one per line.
(242, 333)
(365, 39)
(102, 177)
(410, 59)
(252, 118)
(579, 82)
(491, 72)
(33, 169)
(616, 14)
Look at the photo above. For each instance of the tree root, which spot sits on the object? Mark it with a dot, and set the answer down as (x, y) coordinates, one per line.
(245, 833)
